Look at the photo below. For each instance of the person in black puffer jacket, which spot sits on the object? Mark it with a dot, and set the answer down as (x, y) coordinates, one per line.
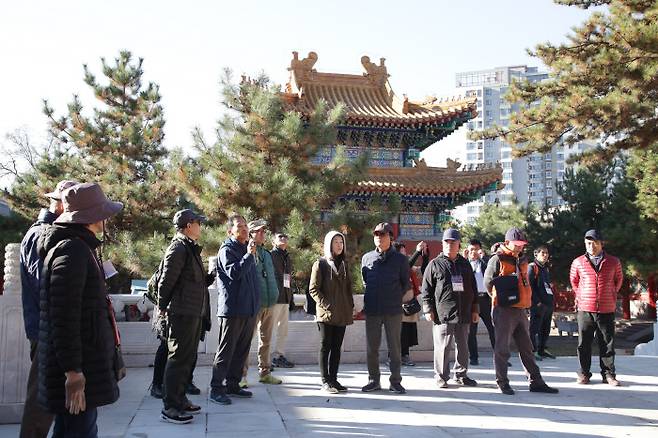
(76, 331)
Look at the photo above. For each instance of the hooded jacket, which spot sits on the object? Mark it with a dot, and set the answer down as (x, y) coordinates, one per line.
(31, 271)
(239, 291)
(331, 286)
(75, 329)
(386, 279)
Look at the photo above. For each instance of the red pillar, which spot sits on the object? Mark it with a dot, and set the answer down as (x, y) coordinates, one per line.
(653, 294)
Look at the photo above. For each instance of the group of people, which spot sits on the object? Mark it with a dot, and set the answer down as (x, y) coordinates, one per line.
(74, 340)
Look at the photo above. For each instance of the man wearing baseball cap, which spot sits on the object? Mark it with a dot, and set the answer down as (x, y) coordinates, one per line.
(36, 421)
(78, 371)
(385, 275)
(596, 278)
(183, 297)
(506, 280)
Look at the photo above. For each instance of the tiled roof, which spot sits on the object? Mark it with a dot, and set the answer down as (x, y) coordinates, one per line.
(429, 181)
(369, 98)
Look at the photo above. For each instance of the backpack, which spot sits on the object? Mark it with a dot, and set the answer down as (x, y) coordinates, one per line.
(152, 284)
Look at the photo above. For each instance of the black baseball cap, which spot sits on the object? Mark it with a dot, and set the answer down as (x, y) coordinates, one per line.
(452, 234)
(593, 234)
(186, 216)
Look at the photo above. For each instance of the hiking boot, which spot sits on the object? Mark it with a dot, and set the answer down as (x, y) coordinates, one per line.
(192, 409)
(611, 380)
(220, 398)
(543, 387)
(243, 383)
(547, 354)
(407, 362)
(441, 383)
(156, 391)
(192, 389)
(506, 389)
(329, 388)
(239, 392)
(173, 415)
(396, 388)
(372, 386)
(339, 387)
(282, 362)
(269, 379)
(582, 379)
(466, 381)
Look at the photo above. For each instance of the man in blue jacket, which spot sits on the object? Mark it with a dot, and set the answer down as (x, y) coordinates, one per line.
(36, 421)
(238, 304)
(386, 278)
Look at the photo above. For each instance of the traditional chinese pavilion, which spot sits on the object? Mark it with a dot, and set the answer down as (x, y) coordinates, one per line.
(394, 131)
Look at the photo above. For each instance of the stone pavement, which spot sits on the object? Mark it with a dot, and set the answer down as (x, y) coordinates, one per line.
(299, 409)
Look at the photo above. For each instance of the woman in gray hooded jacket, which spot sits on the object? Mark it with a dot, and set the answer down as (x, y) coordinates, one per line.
(331, 288)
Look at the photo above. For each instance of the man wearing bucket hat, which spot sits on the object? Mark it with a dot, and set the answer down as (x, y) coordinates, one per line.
(36, 422)
(506, 280)
(78, 336)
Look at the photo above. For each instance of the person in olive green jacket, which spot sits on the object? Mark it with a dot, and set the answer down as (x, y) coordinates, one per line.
(331, 288)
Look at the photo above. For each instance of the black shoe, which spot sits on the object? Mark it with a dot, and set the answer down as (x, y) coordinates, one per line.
(506, 389)
(509, 364)
(156, 391)
(192, 389)
(441, 383)
(543, 387)
(220, 398)
(407, 362)
(339, 387)
(474, 362)
(372, 386)
(547, 354)
(282, 362)
(173, 415)
(192, 409)
(239, 392)
(397, 388)
(329, 388)
(466, 381)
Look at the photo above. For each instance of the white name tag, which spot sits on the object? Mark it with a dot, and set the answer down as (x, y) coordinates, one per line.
(286, 281)
(547, 288)
(457, 283)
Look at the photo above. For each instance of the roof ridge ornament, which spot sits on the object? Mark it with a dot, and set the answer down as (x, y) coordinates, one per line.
(377, 74)
(453, 165)
(301, 70)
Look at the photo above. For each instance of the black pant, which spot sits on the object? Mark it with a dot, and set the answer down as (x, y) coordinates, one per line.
(36, 420)
(234, 341)
(331, 337)
(408, 338)
(82, 425)
(160, 362)
(484, 301)
(540, 326)
(182, 345)
(603, 325)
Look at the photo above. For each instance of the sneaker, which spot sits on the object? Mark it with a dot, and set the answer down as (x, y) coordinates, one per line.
(611, 380)
(474, 362)
(543, 387)
(192, 409)
(173, 415)
(269, 379)
(239, 393)
(220, 398)
(547, 354)
(509, 364)
(441, 383)
(506, 389)
(538, 357)
(397, 388)
(406, 361)
(582, 379)
(329, 388)
(192, 389)
(339, 387)
(372, 386)
(243, 383)
(282, 362)
(466, 381)
(156, 391)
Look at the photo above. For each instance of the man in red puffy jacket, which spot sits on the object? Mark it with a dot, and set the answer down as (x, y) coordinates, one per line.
(596, 278)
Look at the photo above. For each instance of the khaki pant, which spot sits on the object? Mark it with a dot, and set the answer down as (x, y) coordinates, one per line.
(264, 325)
(281, 314)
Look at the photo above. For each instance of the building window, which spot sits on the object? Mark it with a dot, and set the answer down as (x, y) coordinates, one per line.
(479, 93)
(487, 113)
(470, 146)
(472, 209)
(480, 124)
(487, 102)
(505, 155)
(480, 156)
(471, 157)
(507, 164)
(549, 174)
(487, 92)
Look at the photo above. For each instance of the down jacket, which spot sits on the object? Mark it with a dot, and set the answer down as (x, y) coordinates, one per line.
(596, 291)
(239, 289)
(75, 330)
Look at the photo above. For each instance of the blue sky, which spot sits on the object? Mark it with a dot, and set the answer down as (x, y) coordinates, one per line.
(43, 45)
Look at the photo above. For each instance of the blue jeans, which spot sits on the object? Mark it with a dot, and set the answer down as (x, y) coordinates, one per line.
(82, 425)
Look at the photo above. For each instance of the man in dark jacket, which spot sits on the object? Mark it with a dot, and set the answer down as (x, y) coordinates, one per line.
(237, 307)
(385, 275)
(479, 265)
(36, 421)
(541, 310)
(281, 310)
(450, 300)
(183, 298)
(77, 332)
